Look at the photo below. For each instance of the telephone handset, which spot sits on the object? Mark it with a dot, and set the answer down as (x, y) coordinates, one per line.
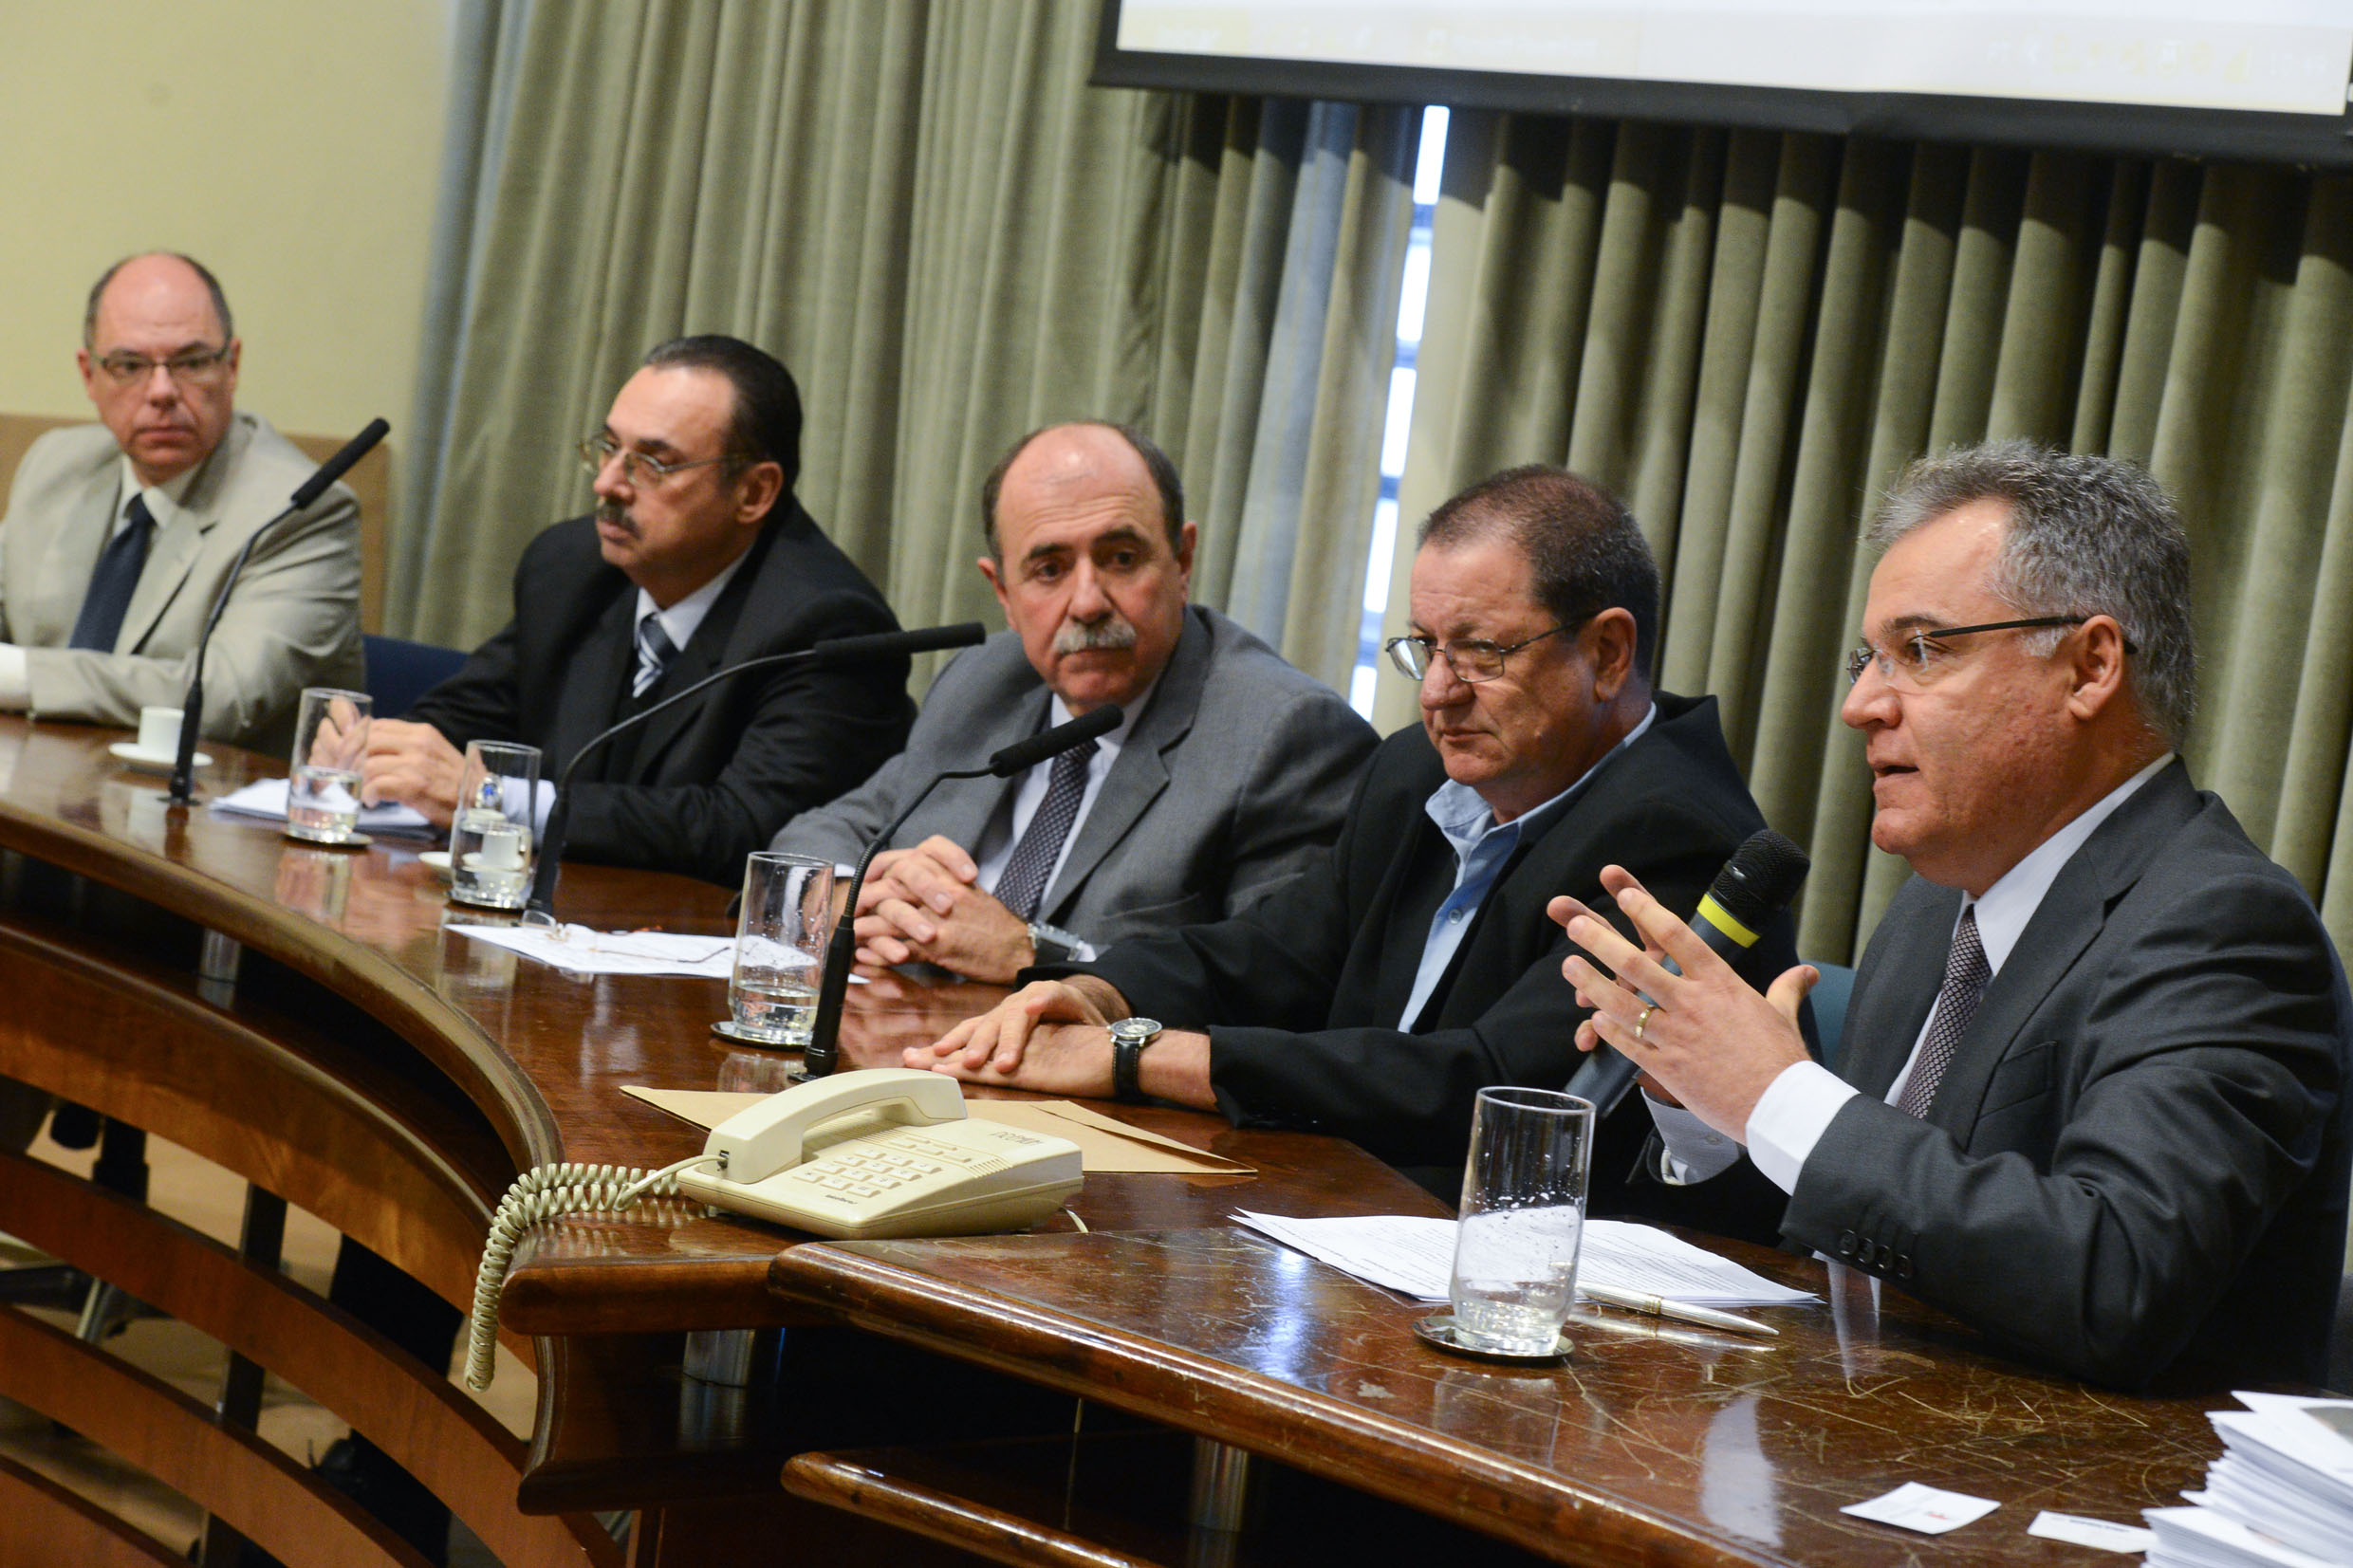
(887, 1151)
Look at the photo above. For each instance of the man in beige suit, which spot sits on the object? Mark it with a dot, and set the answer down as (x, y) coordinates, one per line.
(118, 536)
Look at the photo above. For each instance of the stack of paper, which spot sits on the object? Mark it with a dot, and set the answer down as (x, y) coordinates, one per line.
(265, 798)
(1417, 1258)
(2281, 1496)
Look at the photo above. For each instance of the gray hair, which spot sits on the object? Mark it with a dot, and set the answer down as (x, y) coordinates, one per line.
(2088, 535)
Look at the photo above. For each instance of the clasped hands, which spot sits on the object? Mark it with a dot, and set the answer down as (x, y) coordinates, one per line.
(926, 904)
(1707, 1039)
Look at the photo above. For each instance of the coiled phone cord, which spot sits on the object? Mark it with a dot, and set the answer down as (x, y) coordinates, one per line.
(540, 1194)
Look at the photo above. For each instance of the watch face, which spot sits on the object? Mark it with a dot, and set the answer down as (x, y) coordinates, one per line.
(1136, 1029)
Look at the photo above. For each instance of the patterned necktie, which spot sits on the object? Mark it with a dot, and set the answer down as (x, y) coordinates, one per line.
(1965, 976)
(113, 583)
(1022, 881)
(654, 652)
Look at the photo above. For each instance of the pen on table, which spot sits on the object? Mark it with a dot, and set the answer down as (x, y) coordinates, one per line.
(1633, 1300)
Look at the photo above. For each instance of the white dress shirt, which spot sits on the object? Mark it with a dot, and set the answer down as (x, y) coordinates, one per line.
(1797, 1107)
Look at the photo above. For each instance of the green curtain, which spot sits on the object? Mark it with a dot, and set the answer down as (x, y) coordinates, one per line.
(1748, 334)
(950, 238)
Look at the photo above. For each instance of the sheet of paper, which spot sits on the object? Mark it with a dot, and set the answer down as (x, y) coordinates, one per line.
(1101, 1151)
(2203, 1534)
(583, 951)
(2107, 1536)
(265, 798)
(1931, 1510)
(1417, 1257)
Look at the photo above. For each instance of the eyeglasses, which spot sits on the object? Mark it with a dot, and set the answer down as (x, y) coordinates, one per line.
(193, 367)
(636, 467)
(1917, 655)
(1472, 661)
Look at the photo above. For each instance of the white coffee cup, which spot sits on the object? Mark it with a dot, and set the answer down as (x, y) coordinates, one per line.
(158, 730)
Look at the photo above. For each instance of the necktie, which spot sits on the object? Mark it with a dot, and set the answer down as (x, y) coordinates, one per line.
(1965, 976)
(1022, 881)
(112, 581)
(654, 652)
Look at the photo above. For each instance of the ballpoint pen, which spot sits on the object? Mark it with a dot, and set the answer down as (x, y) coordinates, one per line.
(1633, 1300)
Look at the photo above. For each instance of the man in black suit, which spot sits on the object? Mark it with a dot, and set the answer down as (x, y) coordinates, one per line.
(1412, 966)
(2091, 1098)
(697, 557)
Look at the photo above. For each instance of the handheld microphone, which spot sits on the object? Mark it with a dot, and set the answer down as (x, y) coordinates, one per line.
(191, 708)
(1755, 885)
(540, 908)
(822, 1053)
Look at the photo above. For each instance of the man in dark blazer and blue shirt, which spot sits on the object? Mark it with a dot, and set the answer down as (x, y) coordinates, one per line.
(2091, 1099)
(697, 557)
(1412, 964)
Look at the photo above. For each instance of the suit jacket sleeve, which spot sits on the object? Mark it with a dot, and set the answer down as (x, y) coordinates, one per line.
(809, 734)
(479, 701)
(2190, 1088)
(289, 612)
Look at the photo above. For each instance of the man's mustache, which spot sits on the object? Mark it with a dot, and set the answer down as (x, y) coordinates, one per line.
(1095, 636)
(614, 513)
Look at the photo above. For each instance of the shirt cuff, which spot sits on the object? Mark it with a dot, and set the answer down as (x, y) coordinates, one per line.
(15, 681)
(1790, 1116)
(543, 801)
(1694, 1151)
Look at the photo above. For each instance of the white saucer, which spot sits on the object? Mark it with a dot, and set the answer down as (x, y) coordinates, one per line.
(437, 861)
(152, 761)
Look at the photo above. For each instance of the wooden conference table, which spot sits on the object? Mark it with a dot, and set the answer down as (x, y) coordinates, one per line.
(306, 1017)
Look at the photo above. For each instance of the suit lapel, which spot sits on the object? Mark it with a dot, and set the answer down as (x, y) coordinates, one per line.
(586, 696)
(710, 647)
(1140, 771)
(181, 531)
(1895, 988)
(965, 812)
(2062, 926)
(70, 558)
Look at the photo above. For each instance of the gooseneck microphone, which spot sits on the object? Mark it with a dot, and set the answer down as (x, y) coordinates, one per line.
(1755, 885)
(822, 1053)
(192, 707)
(540, 907)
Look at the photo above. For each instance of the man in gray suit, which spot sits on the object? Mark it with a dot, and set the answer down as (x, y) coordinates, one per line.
(1230, 770)
(2091, 1098)
(118, 536)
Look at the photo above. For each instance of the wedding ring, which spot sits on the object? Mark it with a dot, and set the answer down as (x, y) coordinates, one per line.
(1643, 1022)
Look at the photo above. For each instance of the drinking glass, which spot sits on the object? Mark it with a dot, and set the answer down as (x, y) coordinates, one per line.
(1523, 1214)
(491, 830)
(330, 741)
(780, 946)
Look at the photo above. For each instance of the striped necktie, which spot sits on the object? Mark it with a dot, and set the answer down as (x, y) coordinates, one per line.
(654, 652)
(112, 581)
(1022, 881)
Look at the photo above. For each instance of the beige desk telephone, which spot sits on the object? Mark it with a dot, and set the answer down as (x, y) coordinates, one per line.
(887, 1151)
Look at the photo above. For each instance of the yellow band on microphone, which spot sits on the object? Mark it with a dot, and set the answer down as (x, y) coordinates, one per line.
(1712, 913)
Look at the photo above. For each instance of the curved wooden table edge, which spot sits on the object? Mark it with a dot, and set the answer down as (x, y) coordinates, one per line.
(453, 1042)
(1354, 1446)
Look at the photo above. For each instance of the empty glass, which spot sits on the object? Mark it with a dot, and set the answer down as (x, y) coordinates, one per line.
(491, 830)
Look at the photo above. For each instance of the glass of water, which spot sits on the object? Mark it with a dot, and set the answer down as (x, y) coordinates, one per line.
(491, 830)
(780, 946)
(330, 742)
(1523, 1215)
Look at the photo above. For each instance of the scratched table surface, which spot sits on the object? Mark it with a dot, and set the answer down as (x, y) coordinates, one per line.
(1652, 1444)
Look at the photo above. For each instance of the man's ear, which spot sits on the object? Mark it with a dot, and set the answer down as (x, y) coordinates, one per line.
(763, 483)
(1610, 638)
(2096, 654)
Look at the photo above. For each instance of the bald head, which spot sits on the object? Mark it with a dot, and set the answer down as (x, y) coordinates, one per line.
(160, 362)
(1072, 453)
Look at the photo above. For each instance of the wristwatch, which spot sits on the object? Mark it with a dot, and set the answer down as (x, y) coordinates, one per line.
(1052, 944)
(1129, 1037)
